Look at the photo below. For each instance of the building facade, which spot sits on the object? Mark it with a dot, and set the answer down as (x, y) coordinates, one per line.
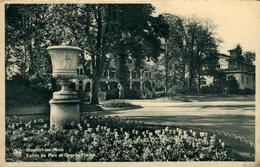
(243, 72)
(139, 80)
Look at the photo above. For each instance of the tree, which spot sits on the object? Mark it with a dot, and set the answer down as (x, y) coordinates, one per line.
(237, 53)
(175, 52)
(121, 30)
(88, 31)
(202, 50)
(25, 40)
(249, 57)
(118, 30)
(238, 50)
(190, 49)
(232, 85)
(138, 37)
(219, 82)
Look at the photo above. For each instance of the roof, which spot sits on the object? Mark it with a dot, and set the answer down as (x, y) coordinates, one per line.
(221, 55)
(238, 71)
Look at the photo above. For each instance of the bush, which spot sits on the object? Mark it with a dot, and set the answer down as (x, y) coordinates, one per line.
(112, 94)
(179, 98)
(232, 85)
(132, 94)
(129, 94)
(245, 91)
(18, 93)
(159, 94)
(211, 89)
(117, 104)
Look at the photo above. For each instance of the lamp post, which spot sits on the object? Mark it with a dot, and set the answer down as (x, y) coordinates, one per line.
(64, 106)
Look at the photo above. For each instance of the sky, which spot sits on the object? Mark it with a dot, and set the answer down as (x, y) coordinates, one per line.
(236, 21)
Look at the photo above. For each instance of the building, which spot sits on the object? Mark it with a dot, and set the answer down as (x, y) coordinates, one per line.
(140, 80)
(243, 72)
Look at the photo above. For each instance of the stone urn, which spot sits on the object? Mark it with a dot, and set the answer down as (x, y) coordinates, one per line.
(64, 106)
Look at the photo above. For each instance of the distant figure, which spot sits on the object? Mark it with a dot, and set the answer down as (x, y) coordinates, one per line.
(226, 91)
(121, 91)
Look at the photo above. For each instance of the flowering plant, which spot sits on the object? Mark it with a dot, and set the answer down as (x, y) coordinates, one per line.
(118, 140)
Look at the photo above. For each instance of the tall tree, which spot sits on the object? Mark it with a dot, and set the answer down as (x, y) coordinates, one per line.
(25, 29)
(206, 58)
(249, 57)
(100, 30)
(191, 46)
(137, 37)
(86, 27)
(237, 53)
(175, 52)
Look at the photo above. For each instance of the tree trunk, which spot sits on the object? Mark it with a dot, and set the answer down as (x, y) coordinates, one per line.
(122, 74)
(96, 61)
(166, 70)
(32, 60)
(191, 78)
(198, 87)
(191, 64)
(199, 74)
(183, 78)
(24, 68)
(94, 90)
(166, 78)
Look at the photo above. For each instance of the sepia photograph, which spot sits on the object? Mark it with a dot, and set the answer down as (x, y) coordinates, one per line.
(159, 81)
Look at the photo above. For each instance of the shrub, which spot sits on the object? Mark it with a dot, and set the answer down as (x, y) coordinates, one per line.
(132, 94)
(17, 93)
(112, 94)
(232, 85)
(117, 104)
(211, 89)
(246, 91)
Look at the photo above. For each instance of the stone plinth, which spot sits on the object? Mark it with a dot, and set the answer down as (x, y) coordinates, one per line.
(63, 112)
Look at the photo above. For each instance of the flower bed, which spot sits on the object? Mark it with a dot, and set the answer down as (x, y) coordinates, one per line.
(118, 104)
(109, 139)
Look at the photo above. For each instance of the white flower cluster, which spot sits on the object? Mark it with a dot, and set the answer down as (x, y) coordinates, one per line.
(101, 142)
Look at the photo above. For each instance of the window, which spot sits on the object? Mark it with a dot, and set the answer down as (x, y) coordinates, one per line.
(113, 85)
(203, 81)
(73, 86)
(146, 74)
(80, 86)
(105, 74)
(104, 86)
(81, 71)
(112, 74)
(77, 71)
(135, 74)
(87, 87)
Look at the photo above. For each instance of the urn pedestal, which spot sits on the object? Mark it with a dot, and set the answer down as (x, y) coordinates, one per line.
(64, 106)
(63, 112)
